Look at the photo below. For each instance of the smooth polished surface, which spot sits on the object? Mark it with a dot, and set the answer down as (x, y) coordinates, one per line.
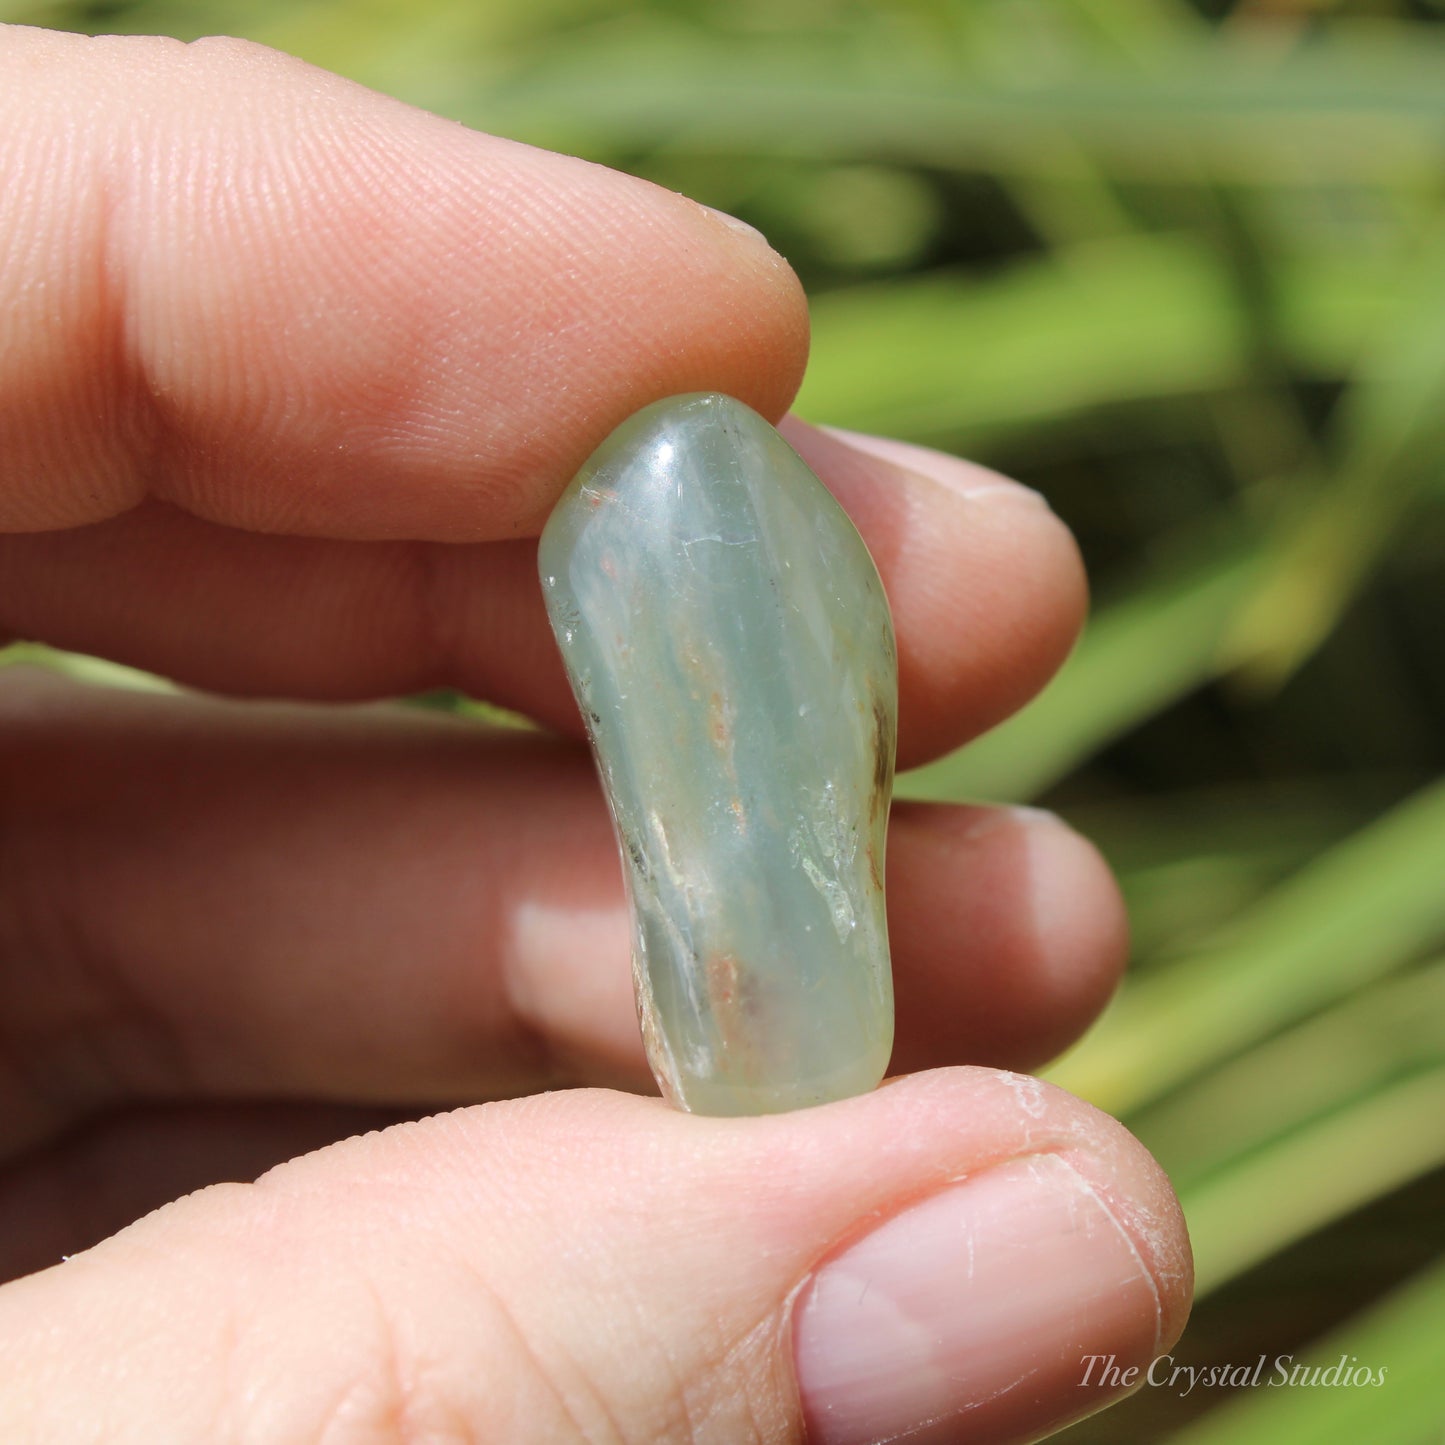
(730, 645)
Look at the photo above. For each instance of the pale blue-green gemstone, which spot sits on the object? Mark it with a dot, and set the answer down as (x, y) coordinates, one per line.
(731, 649)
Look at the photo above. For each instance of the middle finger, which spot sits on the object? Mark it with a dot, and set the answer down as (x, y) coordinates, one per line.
(216, 901)
(984, 581)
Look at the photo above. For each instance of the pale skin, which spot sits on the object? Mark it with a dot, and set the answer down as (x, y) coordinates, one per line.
(290, 375)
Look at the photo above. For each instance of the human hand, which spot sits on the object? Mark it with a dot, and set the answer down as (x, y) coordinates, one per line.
(290, 375)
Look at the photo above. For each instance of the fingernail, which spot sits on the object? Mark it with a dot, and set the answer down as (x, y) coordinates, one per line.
(996, 816)
(964, 478)
(1056, 869)
(734, 224)
(1013, 1302)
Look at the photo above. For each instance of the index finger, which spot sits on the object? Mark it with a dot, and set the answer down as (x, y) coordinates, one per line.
(285, 303)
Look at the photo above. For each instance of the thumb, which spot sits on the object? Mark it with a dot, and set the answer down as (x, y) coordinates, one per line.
(943, 1256)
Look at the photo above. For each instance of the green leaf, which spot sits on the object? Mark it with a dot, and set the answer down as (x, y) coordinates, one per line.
(1389, 444)
(1360, 910)
(1356, 1048)
(1359, 104)
(1403, 1335)
(1137, 656)
(95, 670)
(1146, 316)
(1268, 1201)
(1128, 319)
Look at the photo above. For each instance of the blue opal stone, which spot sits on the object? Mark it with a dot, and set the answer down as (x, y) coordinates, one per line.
(728, 639)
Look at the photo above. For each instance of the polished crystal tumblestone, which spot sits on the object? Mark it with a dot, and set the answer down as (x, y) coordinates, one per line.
(730, 646)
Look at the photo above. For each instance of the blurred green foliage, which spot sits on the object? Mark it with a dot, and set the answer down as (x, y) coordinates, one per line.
(1181, 266)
